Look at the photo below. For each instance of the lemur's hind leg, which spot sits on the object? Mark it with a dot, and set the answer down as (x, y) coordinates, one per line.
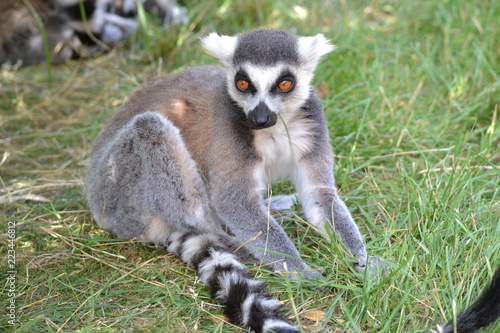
(145, 185)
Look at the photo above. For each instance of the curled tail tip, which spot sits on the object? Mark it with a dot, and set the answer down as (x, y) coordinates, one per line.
(486, 309)
(482, 313)
(279, 326)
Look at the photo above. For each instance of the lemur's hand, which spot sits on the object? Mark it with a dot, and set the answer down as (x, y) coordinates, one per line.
(376, 269)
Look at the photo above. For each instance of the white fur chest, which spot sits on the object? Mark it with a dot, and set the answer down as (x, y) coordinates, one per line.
(280, 147)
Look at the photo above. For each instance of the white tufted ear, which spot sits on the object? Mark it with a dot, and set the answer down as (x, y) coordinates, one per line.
(311, 49)
(221, 47)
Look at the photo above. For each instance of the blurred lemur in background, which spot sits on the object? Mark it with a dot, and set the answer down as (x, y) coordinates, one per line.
(74, 28)
(193, 153)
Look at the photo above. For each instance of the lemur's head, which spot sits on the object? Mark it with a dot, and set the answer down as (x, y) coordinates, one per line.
(268, 71)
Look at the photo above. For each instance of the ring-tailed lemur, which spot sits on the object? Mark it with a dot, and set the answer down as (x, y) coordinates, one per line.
(193, 152)
(21, 38)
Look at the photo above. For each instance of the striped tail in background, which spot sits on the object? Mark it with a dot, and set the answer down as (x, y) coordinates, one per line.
(483, 312)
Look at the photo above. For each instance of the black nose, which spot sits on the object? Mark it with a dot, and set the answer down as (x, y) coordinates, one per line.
(261, 117)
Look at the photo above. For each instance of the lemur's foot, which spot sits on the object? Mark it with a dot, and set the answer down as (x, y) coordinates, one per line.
(278, 203)
(313, 278)
(376, 269)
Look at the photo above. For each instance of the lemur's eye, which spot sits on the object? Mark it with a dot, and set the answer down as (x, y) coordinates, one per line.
(243, 85)
(285, 85)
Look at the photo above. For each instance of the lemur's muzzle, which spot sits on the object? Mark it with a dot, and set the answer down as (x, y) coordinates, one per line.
(261, 117)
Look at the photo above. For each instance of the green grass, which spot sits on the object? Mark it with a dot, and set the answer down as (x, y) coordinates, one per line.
(413, 105)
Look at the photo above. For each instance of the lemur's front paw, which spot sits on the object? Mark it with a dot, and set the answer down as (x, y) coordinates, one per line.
(297, 270)
(361, 265)
(305, 274)
(313, 279)
(376, 268)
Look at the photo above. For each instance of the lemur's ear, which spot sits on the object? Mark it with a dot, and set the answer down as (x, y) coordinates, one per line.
(221, 47)
(311, 49)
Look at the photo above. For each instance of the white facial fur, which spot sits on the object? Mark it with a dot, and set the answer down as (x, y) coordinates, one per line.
(310, 50)
(263, 78)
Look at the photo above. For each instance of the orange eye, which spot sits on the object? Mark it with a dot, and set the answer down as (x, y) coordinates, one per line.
(242, 84)
(285, 85)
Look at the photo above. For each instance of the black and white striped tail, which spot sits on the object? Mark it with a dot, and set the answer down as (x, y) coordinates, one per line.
(483, 312)
(245, 301)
